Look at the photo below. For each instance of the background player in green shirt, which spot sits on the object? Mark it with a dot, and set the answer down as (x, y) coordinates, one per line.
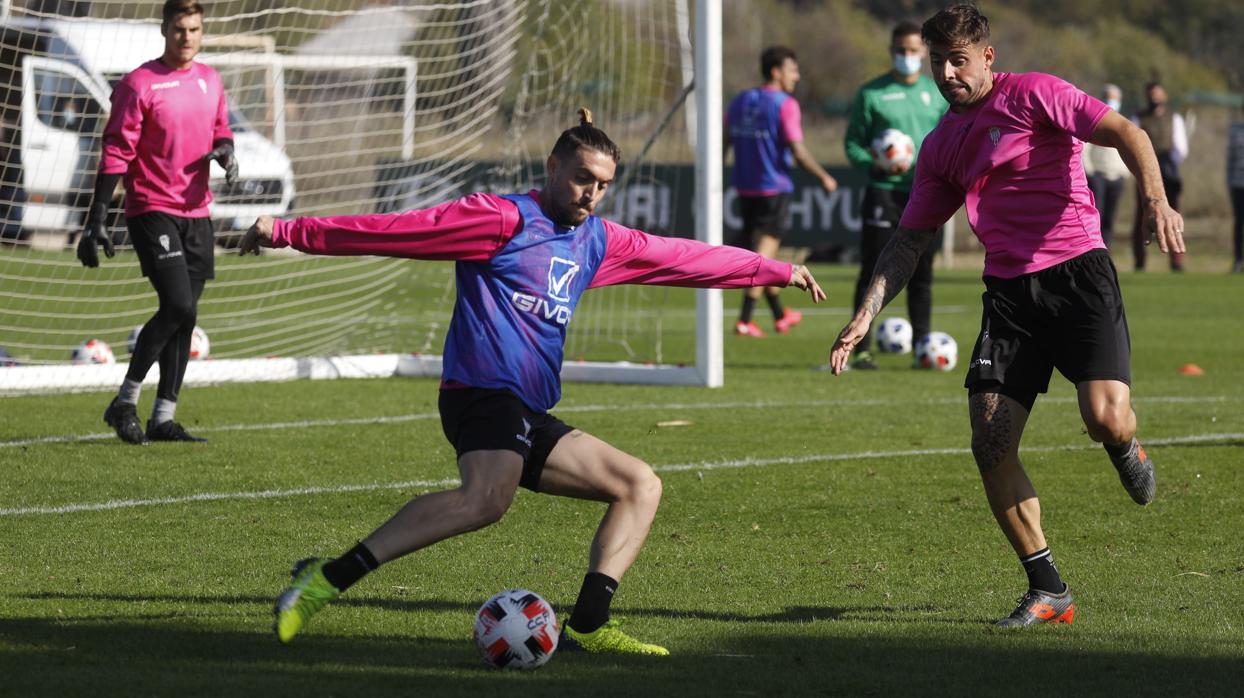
(910, 102)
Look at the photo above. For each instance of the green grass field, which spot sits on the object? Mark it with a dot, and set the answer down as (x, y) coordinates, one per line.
(818, 535)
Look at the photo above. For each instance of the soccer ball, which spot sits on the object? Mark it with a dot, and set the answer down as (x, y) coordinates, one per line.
(516, 629)
(893, 147)
(93, 351)
(200, 346)
(937, 350)
(894, 336)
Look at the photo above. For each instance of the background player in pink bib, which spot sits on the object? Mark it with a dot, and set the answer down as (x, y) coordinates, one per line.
(169, 119)
(1010, 149)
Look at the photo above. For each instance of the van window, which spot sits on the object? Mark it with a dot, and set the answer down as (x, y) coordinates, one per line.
(64, 103)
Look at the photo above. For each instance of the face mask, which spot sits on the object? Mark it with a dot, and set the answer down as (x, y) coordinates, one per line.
(1114, 104)
(907, 65)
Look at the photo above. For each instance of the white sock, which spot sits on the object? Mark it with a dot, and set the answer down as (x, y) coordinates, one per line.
(163, 411)
(129, 391)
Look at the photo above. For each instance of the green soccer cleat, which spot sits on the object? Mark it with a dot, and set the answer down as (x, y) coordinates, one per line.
(307, 593)
(607, 639)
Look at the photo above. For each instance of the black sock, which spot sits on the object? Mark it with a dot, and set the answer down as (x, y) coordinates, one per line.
(775, 304)
(749, 305)
(351, 567)
(1042, 574)
(592, 609)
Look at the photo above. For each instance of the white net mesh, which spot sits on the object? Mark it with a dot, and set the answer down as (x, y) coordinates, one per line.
(341, 107)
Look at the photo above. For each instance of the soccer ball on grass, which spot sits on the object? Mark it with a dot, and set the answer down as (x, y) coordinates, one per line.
(937, 350)
(93, 351)
(894, 336)
(516, 629)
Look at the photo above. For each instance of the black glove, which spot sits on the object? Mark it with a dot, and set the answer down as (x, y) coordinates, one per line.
(95, 232)
(223, 154)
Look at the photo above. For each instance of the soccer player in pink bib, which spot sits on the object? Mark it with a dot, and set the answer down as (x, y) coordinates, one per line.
(169, 119)
(1010, 149)
(522, 262)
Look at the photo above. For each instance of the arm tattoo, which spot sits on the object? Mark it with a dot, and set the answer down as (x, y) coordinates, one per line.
(895, 266)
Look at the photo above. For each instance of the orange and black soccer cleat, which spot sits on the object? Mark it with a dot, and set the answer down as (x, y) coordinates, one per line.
(1136, 472)
(1037, 606)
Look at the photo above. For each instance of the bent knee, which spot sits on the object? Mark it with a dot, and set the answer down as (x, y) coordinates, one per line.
(485, 509)
(644, 486)
(1111, 423)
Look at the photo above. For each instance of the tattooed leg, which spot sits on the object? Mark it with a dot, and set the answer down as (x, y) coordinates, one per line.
(997, 425)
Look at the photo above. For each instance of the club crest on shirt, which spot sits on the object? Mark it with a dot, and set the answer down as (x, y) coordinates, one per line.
(203, 85)
(561, 274)
(927, 99)
(995, 134)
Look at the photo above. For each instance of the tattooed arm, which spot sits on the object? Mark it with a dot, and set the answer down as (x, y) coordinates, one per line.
(894, 267)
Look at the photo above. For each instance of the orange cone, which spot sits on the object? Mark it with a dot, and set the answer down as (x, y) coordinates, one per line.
(1191, 370)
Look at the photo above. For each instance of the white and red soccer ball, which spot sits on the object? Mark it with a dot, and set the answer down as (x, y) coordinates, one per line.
(93, 351)
(937, 351)
(200, 345)
(893, 148)
(516, 629)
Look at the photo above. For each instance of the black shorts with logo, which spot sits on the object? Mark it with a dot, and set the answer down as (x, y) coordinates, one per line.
(764, 214)
(487, 419)
(1068, 317)
(164, 240)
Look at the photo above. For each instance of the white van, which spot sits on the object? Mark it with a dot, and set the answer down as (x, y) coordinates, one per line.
(56, 77)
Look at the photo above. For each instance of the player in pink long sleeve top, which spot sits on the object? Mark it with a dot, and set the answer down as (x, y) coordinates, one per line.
(523, 261)
(169, 118)
(1010, 149)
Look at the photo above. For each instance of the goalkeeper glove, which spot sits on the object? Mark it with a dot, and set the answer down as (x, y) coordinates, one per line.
(95, 232)
(223, 154)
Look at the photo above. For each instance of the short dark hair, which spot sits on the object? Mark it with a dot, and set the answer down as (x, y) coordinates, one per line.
(176, 8)
(958, 24)
(585, 135)
(774, 57)
(904, 28)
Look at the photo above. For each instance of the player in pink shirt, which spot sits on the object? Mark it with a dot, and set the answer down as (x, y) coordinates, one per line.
(522, 263)
(1010, 149)
(169, 119)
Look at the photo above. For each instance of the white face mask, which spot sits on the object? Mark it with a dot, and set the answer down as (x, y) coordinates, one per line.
(907, 65)
(1114, 104)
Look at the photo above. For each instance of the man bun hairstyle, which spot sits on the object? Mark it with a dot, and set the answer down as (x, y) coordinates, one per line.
(958, 24)
(774, 57)
(176, 8)
(585, 135)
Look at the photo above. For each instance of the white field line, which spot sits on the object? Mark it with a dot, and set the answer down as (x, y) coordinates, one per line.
(670, 468)
(572, 409)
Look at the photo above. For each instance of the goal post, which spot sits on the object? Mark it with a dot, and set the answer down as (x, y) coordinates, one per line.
(346, 107)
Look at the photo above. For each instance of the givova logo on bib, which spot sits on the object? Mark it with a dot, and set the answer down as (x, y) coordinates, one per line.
(561, 278)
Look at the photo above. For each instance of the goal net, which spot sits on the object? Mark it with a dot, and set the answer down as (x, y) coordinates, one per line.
(342, 107)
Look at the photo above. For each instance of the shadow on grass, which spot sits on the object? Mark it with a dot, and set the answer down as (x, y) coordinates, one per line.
(791, 614)
(40, 656)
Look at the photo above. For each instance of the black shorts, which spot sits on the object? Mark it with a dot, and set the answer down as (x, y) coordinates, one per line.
(881, 209)
(164, 240)
(764, 214)
(1068, 317)
(486, 419)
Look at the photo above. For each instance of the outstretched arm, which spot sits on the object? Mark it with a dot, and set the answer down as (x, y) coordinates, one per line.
(1136, 150)
(894, 267)
(635, 257)
(809, 163)
(473, 228)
